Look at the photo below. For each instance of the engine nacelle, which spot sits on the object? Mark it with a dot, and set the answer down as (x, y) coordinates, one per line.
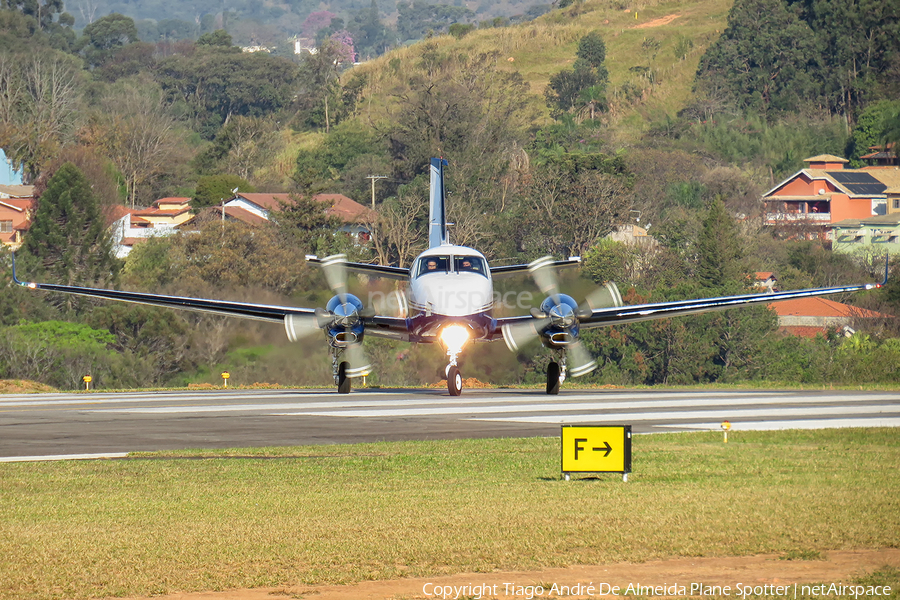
(346, 325)
(562, 329)
(341, 319)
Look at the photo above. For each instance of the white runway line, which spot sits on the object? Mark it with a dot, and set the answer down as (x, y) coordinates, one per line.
(799, 424)
(499, 404)
(715, 416)
(599, 408)
(54, 457)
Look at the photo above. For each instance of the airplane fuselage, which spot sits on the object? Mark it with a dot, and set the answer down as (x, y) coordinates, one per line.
(450, 285)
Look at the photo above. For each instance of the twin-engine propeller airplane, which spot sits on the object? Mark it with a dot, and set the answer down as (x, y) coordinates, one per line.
(450, 302)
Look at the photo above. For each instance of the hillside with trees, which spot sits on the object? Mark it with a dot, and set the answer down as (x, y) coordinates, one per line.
(558, 130)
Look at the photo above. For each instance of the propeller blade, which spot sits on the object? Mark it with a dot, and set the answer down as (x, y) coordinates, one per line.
(360, 366)
(517, 335)
(335, 268)
(392, 304)
(303, 326)
(580, 361)
(605, 296)
(544, 276)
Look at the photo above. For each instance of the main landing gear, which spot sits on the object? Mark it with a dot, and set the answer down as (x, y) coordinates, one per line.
(556, 374)
(341, 378)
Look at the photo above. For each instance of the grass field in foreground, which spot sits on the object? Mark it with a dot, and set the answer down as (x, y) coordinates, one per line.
(328, 514)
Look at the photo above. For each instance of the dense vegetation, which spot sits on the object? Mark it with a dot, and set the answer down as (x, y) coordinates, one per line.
(544, 159)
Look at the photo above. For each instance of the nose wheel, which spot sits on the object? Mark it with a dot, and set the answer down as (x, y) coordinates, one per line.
(454, 380)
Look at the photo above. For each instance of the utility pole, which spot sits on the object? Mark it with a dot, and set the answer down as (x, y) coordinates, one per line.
(374, 178)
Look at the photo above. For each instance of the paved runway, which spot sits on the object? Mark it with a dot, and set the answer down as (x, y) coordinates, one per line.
(63, 425)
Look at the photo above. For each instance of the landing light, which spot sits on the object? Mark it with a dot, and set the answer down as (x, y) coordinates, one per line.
(454, 336)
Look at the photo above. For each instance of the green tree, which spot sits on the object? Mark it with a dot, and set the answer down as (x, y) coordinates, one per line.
(305, 224)
(890, 130)
(60, 354)
(860, 43)
(103, 38)
(583, 86)
(371, 36)
(767, 59)
(68, 241)
(213, 189)
(720, 263)
(869, 130)
(592, 50)
(321, 85)
(217, 82)
(155, 337)
(219, 37)
(38, 110)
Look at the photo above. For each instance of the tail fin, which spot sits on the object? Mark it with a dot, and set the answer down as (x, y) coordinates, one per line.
(437, 218)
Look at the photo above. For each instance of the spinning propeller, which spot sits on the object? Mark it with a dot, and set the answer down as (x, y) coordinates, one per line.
(556, 322)
(342, 319)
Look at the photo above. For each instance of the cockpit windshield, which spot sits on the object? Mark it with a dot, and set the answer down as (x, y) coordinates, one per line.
(442, 264)
(433, 264)
(469, 264)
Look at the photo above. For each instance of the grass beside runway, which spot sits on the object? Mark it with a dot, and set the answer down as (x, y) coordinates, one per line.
(211, 520)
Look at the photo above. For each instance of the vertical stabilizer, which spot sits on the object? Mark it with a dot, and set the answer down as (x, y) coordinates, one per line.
(437, 218)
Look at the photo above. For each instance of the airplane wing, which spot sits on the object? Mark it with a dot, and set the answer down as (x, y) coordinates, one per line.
(644, 312)
(376, 325)
(392, 328)
(620, 315)
(508, 270)
(259, 312)
(368, 269)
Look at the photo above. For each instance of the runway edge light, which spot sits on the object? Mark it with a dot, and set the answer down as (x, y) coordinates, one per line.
(595, 449)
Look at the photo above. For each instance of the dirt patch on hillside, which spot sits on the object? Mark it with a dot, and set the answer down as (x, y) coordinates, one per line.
(755, 572)
(657, 22)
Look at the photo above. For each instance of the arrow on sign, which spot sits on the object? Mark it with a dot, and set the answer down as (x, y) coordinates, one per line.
(608, 449)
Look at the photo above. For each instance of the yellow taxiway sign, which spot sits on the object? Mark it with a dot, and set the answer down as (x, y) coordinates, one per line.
(596, 449)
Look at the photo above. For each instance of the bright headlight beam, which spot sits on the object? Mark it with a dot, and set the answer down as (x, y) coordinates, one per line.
(454, 337)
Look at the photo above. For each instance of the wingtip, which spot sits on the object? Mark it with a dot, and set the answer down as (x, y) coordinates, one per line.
(27, 284)
(887, 258)
(15, 279)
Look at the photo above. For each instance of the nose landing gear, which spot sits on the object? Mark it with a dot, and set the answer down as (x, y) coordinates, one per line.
(454, 377)
(454, 380)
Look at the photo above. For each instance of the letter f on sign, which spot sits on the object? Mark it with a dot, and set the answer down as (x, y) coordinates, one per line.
(579, 448)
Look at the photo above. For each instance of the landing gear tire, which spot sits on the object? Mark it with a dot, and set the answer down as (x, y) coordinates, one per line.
(343, 380)
(553, 378)
(454, 381)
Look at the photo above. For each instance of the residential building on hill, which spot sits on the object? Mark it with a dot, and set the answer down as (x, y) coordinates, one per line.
(808, 317)
(16, 208)
(132, 226)
(167, 215)
(809, 202)
(882, 156)
(354, 215)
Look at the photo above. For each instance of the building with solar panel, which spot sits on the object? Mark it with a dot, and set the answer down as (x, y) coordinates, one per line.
(812, 202)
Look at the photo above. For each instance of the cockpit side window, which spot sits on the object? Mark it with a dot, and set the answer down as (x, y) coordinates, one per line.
(469, 264)
(433, 264)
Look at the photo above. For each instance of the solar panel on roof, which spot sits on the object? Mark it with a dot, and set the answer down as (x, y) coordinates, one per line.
(858, 183)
